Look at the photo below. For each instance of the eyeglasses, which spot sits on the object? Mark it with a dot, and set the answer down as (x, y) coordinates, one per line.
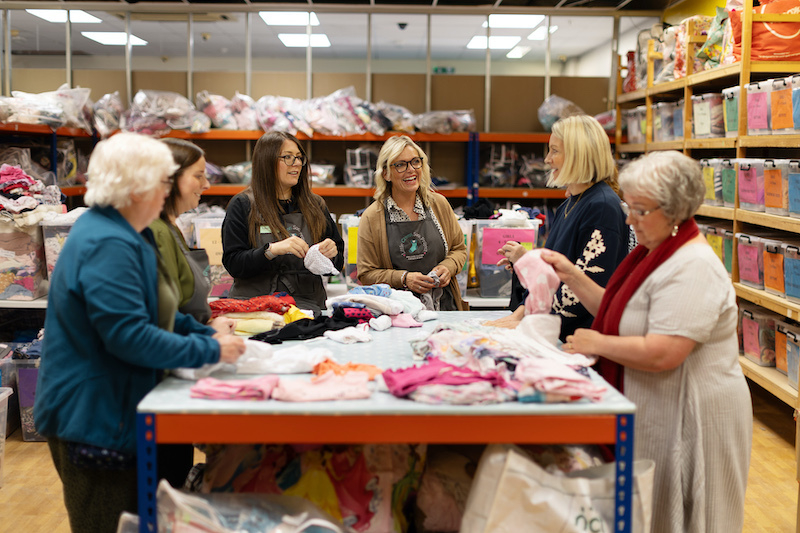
(402, 166)
(167, 183)
(290, 160)
(638, 213)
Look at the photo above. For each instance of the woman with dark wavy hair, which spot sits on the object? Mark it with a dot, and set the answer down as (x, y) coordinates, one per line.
(270, 226)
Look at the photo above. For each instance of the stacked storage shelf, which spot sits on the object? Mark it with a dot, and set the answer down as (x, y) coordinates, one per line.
(756, 156)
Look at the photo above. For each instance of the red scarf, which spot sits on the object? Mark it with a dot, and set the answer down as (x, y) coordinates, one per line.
(630, 274)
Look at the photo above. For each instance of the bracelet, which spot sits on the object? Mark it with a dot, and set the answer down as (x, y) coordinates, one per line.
(403, 279)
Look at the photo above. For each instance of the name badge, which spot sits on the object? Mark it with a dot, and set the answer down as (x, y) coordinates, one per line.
(265, 229)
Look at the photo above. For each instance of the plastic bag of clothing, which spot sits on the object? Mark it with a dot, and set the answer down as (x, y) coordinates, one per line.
(239, 172)
(218, 109)
(243, 108)
(30, 109)
(229, 513)
(445, 122)
(555, 107)
(107, 114)
(401, 118)
(71, 101)
(271, 116)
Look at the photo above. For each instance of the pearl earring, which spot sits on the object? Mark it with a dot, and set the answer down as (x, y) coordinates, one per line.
(674, 230)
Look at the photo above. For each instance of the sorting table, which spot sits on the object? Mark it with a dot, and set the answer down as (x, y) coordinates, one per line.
(169, 415)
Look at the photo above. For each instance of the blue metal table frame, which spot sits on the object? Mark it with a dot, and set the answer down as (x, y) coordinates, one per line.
(169, 415)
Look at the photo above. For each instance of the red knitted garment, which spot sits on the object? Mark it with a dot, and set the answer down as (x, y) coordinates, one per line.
(276, 303)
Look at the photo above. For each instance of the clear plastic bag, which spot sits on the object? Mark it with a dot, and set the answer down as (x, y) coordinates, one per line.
(322, 175)
(554, 108)
(271, 116)
(243, 108)
(445, 122)
(401, 118)
(107, 114)
(218, 108)
(70, 101)
(239, 172)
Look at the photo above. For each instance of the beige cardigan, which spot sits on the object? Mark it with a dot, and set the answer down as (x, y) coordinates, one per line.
(374, 263)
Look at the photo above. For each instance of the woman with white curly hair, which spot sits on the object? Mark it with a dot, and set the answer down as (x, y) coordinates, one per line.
(668, 316)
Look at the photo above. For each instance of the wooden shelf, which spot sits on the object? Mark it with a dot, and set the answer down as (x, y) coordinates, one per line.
(780, 305)
(665, 145)
(778, 222)
(38, 303)
(769, 378)
(667, 87)
(631, 148)
(42, 129)
(776, 67)
(501, 192)
(770, 141)
(717, 142)
(715, 211)
(720, 73)
(638, 94)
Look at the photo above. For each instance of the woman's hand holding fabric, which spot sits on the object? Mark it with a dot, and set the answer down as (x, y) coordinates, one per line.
(223, 324)
(293, 245)
(328, 248)
(230, 347)
(444, 275)
(512, 251)
(419, 282)
(564, 268)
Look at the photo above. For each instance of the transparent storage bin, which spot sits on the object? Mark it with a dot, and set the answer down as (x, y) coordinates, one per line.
(750, 249)
(27, 374)
(791, 271)
(714, 236)
(796, 101)
(677, 122)
(758, 335)
(468, 227)
(208, 236)
(776, 186)
(758, 108)
(773, 267)
(641, 117)
(664, 121)
(728, 238)
(728, 170)
(22, 266)
(750, 178)
(707, 116)
(712, 176)
(782, 331)
(794, 188)
(781, 107)
(730, 102)
(792, 357)
(5, 393)
(631, 118)
(495, 281)
(350, 236)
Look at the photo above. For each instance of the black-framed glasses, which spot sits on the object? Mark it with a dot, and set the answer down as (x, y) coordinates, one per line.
(290, 160)
(638, 213)
(402, 166)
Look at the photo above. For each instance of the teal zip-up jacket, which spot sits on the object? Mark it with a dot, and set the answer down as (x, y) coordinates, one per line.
(102, 345)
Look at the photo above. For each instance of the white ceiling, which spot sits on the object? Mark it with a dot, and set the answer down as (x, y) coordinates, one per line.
(575, 36)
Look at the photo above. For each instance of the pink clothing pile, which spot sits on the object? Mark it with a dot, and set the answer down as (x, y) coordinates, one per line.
(404, 381)
(243, 389)
(555, 380)
(329, 386)
(540, 279)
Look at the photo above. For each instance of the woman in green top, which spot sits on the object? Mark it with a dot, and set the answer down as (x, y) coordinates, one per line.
(186, 266)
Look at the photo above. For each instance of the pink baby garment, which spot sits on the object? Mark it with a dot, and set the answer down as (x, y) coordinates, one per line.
(239, 389)
(540, 279)
(329, 386)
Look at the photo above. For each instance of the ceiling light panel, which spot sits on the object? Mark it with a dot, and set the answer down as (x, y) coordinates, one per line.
(113, 38)
(496, 42)
(59, 16)
(518, 52)
(300, 40)
(514, 21)
(288, 18)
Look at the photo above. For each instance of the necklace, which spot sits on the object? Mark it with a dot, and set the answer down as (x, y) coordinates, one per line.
(569, 210)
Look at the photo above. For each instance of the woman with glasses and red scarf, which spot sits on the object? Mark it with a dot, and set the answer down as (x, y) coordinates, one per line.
(668, 318)
(270, 226)
(409, 238)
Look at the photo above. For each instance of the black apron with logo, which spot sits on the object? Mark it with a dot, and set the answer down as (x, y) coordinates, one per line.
(197, 306)
(417, 246)
(291, 275)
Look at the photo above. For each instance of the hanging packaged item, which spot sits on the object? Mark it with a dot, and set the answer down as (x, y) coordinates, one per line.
(780, 100)
(758, 108)
(750, 178)
(730, 97)
(728, 176)
(712, 176)
(776, 186)
(707, 116)
(758, 334)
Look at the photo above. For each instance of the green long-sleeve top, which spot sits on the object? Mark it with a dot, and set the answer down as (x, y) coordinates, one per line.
(174, 260)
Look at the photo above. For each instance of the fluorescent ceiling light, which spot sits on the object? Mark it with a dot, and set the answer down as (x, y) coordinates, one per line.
(514, 21)
(518, 51)
(288, 18)
(496, 42)
(113, 38)
(300, 40)
(60, 15)
(540, 33)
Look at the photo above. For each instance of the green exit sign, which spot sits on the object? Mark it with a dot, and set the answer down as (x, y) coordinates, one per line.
(444, 70)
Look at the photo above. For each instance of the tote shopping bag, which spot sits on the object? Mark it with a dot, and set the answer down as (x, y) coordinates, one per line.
(511, 493)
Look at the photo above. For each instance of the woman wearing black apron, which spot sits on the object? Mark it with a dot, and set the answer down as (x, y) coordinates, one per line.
(270, 226)
(409, 238)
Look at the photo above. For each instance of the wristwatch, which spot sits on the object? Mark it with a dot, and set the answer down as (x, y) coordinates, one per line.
(268, 253)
